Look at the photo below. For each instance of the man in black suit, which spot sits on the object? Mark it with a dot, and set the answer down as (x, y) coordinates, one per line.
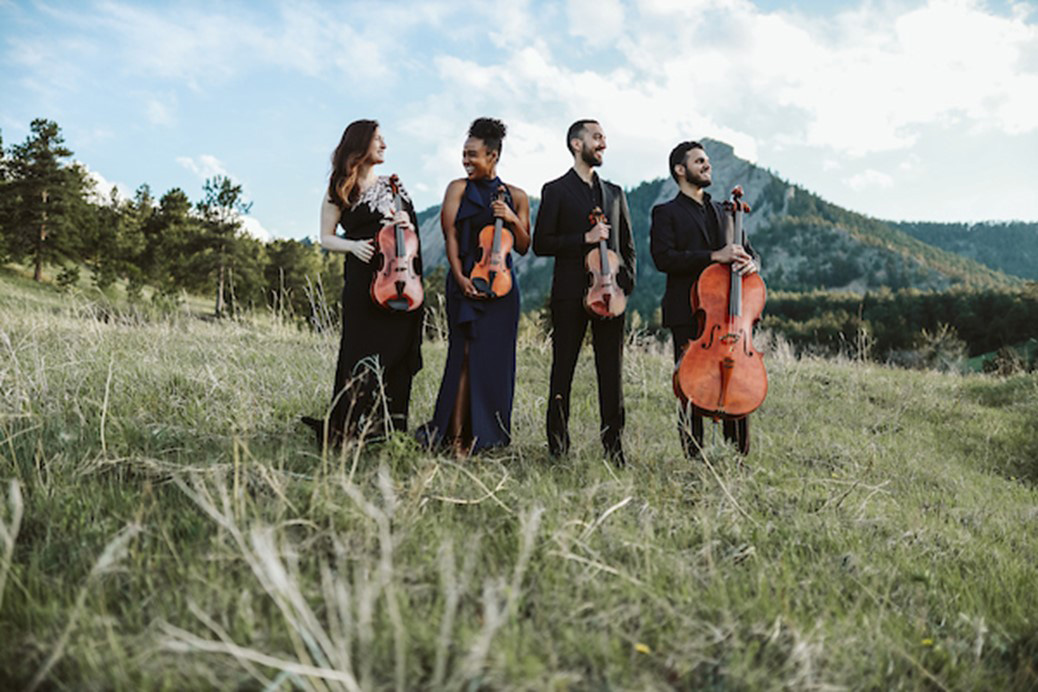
(686, 237)
(564, 231)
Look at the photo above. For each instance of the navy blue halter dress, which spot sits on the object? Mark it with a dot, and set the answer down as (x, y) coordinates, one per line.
(489, 327)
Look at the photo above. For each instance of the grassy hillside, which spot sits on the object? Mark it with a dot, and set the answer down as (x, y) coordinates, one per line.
(166, 524)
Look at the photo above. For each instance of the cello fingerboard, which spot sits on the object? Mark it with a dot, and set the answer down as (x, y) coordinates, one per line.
(735, 296)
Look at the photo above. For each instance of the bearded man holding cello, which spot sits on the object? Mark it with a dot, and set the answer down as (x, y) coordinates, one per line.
(578, 212)
(687, 236)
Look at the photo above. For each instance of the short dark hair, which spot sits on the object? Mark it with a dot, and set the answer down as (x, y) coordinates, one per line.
(678, 154)
(576, 131)
(491, 130)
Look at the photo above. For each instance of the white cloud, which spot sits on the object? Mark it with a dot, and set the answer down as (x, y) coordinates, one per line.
(205, 46)
(849, 94)
(252, 226)
(910, 163)
(869, 178)
(204, 167)
(861, 81)
(102, 192)
(159, 110)
(595, 20)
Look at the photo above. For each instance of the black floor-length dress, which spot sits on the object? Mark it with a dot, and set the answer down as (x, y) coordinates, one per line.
(380, 351)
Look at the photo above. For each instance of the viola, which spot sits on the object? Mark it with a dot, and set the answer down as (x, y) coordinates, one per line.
(397, 284)
(720, 372)
(491, 275)
(603, 297)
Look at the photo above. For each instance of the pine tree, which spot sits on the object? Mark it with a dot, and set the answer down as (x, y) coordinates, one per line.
(221, 208)
(42, 199)
(118, 243)
(291, 268)
(173, 235)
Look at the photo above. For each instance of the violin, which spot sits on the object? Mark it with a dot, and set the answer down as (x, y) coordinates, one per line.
(720, 372)
(603, 297)
(491, 275)
(397, 284)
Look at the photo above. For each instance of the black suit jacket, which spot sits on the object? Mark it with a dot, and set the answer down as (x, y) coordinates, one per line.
(562, 221)
(681, 249)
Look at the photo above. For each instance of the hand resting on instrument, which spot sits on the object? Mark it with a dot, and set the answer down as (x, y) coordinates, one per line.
(735, 255)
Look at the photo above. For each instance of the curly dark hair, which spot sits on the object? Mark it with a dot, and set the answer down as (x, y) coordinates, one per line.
(491, 130)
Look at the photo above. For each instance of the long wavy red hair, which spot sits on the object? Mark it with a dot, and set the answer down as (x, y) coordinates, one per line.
(353, 147)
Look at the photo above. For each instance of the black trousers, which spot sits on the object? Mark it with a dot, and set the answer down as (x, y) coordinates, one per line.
(690, 421)
(569, 323)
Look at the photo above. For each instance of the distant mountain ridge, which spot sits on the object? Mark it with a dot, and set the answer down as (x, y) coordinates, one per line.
(805, 242)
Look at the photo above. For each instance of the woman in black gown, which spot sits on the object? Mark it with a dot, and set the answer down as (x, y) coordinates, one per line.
(380, 350)
(474, 406)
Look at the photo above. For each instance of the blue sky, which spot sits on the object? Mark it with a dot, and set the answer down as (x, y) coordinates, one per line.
(901, 109)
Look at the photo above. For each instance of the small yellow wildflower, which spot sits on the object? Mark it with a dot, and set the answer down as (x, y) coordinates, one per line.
(928, 642)
(642, 648)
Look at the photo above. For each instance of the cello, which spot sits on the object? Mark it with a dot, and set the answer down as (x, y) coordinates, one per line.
(396, 284)
(490, 275)
(603, 297)
(720, 372)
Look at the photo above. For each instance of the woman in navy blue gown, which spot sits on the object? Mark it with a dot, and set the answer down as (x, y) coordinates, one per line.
(474, 406)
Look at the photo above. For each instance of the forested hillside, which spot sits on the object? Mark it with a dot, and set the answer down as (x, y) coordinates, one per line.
(917, 328)
(1010, 246)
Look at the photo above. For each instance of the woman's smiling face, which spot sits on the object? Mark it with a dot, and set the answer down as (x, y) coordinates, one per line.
(477, 160)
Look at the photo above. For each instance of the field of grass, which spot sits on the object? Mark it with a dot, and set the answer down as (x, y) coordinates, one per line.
(165, 523)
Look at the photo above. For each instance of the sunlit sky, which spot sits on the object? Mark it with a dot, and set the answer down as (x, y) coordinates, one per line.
(906, 109)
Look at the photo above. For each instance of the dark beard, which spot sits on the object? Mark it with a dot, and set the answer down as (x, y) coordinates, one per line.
(588, 156)
(695, 180)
